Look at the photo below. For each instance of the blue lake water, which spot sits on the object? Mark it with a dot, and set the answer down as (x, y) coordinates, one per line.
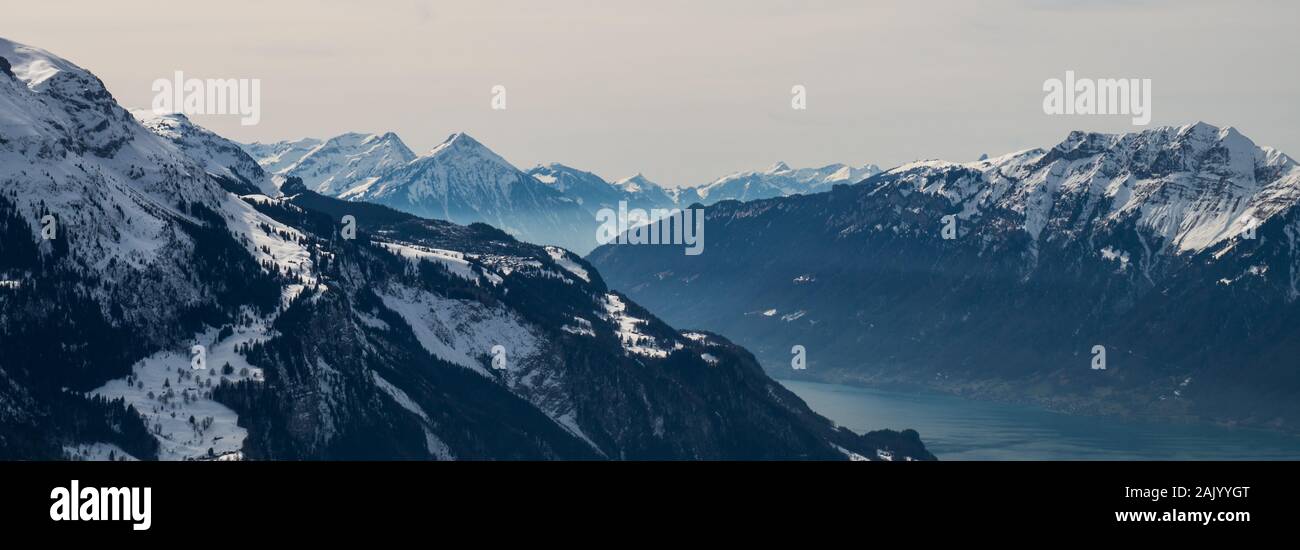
(954, 428)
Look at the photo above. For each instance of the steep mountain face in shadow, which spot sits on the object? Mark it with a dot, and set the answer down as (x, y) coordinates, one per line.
(595, 362)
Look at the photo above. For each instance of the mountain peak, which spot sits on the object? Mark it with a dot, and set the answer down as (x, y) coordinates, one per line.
(635, 183)
(459, 140)
(1199, 126)
(34, 66)
(461, 144)
(777, 168)
(389, 137)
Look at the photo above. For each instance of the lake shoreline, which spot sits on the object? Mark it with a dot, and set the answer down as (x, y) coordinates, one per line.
(1068, 404)
(961, 428)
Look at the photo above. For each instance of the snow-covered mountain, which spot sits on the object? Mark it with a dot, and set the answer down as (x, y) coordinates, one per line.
(115, 244)
(778, 180)
(463, 181)
(643, 193)
(1174, 249)
(339, 163)
(125, 263)
(460, 180)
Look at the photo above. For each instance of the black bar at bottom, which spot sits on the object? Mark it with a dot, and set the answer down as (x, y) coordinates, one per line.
(324, 499)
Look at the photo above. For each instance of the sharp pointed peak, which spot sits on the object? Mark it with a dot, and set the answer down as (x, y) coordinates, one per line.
(462, 139)
(635, 178)
(635, 182)
(1198, 126)
(779, 166)
(462, 145)
(458, 141)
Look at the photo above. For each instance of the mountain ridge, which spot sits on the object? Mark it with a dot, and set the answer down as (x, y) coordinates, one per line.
(1139, 243)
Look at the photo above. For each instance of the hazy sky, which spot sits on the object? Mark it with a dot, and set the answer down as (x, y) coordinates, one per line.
(685, 91)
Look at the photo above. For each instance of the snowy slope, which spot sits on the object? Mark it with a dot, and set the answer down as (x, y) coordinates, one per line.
(347, 160)
(459, 165)
(71, 148)
(131, 205)
(277, 157)
(221, 158)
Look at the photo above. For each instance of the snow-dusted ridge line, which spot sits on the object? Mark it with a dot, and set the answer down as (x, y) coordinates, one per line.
(1211, 195)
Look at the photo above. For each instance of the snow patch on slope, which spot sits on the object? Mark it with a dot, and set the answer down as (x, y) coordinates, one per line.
(561, 257)
(454, 261)
(435, 446)
(627, 331)
(166, 390)
(98, 451)
(463, 332)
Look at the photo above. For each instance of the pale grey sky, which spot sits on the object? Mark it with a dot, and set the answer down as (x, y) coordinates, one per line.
(685, 91)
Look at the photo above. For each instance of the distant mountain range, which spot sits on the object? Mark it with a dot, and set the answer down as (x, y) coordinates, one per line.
(462, 180)
(779, 180)
(164, 297)
(1172, 252)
